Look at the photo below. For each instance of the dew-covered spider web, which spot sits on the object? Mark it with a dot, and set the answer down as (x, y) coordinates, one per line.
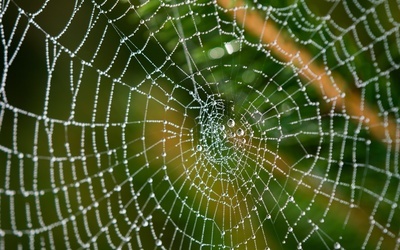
(191, 124)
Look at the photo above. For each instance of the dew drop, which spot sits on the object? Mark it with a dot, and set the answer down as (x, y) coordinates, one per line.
(231, 123)
(158, 242)
(240, 132)
(337, 245)
(199, 148)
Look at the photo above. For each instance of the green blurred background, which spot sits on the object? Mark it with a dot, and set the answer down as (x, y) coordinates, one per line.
(114, 126)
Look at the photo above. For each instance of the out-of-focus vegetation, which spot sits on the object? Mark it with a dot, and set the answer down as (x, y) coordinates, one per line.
(104, 108)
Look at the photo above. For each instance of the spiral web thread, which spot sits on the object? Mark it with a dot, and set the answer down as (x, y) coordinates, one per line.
(200, 124)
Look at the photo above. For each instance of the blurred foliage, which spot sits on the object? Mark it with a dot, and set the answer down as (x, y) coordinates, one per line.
(194, 55)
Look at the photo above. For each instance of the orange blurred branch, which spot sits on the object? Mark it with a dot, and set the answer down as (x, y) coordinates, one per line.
(330, 85)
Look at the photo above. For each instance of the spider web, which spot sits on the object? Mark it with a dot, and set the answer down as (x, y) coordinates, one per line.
(200, 124)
